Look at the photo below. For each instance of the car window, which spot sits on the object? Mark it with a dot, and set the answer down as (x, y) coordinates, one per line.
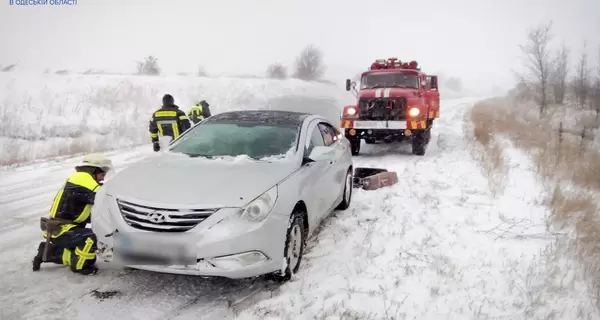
(330, 134)
(255, 139)
(316, 139)
(336, 133)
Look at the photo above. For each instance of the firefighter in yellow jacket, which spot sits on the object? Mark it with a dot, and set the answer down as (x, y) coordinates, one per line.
(199, 111)
(70, 242)
(169, 120)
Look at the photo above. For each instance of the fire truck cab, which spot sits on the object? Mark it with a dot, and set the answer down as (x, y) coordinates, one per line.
(396, 101)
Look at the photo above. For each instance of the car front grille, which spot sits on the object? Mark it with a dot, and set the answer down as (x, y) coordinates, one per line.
(383, 109)
(162, 219)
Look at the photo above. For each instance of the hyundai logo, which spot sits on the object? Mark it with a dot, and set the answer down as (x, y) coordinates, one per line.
(157, 217)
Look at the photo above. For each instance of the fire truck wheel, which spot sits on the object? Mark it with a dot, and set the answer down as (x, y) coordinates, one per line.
(355, 146)
(420, 141)
(370, 141)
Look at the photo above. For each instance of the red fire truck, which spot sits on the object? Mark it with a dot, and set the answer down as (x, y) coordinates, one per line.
(396, 102)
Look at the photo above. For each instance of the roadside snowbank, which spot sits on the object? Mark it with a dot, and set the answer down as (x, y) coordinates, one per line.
(46, 115)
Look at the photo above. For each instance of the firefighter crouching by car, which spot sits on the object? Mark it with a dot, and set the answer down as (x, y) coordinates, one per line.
(199, 111)
(68, 241)
(169, 120)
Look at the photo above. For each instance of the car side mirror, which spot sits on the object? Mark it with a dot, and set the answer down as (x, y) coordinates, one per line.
(348, 84)
(321, 153)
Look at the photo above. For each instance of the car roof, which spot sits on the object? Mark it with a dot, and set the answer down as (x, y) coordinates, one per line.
(261, 116)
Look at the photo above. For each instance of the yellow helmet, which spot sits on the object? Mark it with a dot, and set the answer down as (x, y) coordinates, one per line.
(97, 160)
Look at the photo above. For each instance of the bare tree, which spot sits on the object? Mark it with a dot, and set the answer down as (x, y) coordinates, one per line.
(309, 64)
(277, 71)
(559, 74)
(596, 92)
(8, 68)
(538, 62)
(201, 72)
(149, 66)
(581, 82)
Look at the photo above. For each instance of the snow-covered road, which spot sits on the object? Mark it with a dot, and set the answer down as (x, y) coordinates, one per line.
(421, 249)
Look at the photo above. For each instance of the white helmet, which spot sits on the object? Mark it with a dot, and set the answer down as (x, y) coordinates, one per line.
(97, 160)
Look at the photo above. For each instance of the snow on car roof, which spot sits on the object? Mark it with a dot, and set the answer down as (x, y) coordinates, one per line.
(261, 116)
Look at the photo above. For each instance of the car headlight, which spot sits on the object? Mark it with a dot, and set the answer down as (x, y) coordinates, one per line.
(259, 208)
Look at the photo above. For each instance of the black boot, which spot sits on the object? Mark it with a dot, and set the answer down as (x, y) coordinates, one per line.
(88, 271)
(37, 260)
(37, 263)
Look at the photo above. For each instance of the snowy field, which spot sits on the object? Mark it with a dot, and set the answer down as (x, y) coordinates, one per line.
(46, 115)
(437, 245)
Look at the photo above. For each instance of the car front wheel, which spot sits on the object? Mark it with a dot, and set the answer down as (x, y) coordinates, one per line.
(347, 195)
(295, 242)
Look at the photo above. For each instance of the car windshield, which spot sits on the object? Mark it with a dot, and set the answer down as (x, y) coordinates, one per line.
(397, 79)
(253, 139)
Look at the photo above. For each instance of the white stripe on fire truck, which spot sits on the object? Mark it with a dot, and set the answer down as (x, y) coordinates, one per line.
(378, 93)
(386, 92)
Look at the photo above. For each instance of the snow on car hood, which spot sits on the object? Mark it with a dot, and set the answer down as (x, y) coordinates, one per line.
(176, 180)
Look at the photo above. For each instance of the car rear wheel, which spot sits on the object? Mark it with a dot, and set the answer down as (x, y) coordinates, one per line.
(295, 242)
(347, 196)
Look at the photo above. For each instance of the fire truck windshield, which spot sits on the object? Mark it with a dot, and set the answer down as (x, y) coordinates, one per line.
(389, 79)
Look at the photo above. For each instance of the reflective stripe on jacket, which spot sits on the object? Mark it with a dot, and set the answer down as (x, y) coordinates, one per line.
(74, 201)
(195, 114)
(168, 121)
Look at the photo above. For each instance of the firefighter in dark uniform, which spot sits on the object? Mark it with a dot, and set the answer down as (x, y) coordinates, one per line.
(169, 120)
(199, 111)
(70, 242)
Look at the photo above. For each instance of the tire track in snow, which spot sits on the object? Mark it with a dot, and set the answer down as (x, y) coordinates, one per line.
(163, 296)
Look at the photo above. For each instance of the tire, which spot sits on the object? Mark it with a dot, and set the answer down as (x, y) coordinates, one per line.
(295, 243)
(420, 141)
(348, 188)
(355, 146)
(370, 141)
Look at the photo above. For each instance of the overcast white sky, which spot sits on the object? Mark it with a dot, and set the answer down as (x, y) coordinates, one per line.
(474, 39)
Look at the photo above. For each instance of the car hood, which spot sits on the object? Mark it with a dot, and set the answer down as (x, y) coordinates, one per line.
(387, 93)
(175, 180)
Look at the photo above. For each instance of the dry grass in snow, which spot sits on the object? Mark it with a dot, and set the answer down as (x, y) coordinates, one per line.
(46, 116)
(566, 165)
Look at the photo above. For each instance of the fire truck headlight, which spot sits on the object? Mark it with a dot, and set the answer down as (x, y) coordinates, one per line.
(351, 111)
(413, 112)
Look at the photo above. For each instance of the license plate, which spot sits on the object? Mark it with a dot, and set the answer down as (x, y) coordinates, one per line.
(133, 250)
(380, 125)
(396, 124)
(370, 125)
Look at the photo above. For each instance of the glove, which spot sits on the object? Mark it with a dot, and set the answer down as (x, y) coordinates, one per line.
(156, 146)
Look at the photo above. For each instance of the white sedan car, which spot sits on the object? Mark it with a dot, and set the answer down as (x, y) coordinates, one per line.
(235, 196)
